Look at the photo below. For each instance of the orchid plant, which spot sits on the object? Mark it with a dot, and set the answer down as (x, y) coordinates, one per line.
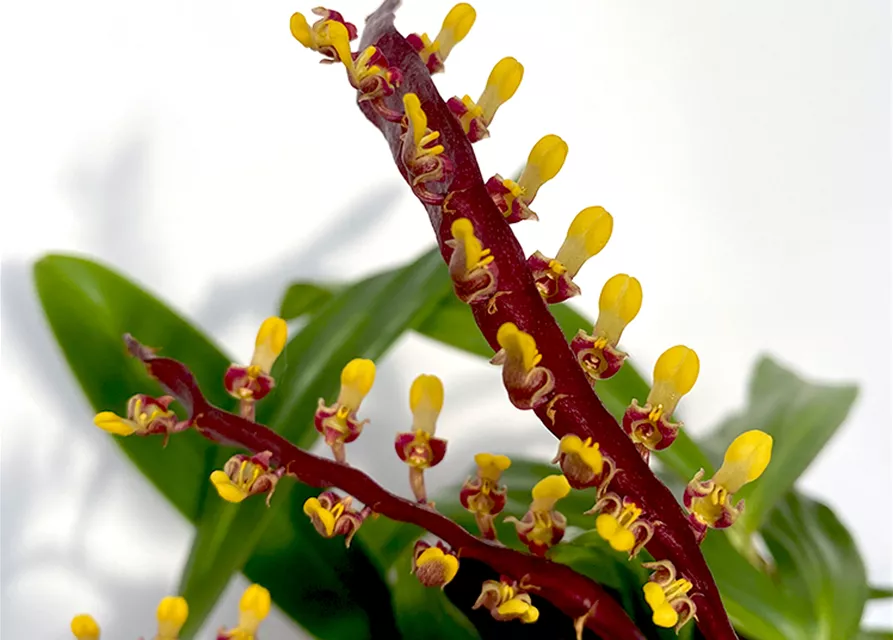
(598, 547)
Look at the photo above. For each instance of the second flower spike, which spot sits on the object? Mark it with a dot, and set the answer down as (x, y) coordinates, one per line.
(419, 448)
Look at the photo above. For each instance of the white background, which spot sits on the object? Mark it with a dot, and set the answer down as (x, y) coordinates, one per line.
(742, 147)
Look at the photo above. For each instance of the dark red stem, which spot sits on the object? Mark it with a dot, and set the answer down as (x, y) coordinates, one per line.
(572, 593)
(579, 411)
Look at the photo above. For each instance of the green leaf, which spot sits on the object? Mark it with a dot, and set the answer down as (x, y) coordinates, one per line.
(817, 561)
(800, 416)
(874, 634)
(302, 298)
(364, 320)
(425, 612)
(880, 593)
(89, 308)
(452, 323)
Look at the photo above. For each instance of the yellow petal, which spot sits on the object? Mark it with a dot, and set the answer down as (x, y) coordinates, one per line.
(425, 402)
(172, 613)
(654, 595)
(426, 391)
(513, 608)
(256, 601)
(416, 115)
(456, 26)
(312, 505)
(531, 615)
(606, 525)
(622, 540)
(665, 616)
(592, 457)
(431, 554)
(450, 567)
(746, 459)
(84, 627)
(504, 80)
(553, 487)
(301, 30)
(518, 345)
(357, 378)
(618, 305)
(570, 444)
(491, 466)
(586, 237)
(675, 373)
(113, 423)
(679, 366)
(226, 488)
(270, 341)
(313, 508)
(544, 162)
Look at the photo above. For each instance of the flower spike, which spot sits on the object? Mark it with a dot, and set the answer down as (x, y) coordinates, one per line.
(338, 423)
(245, 476)
(507, 600)
(542, 526)
(528, 384)
(475, 117)
(455, 27)
(471, 266)
(419, 448)
(649, 426)
(422, 158)
(254, 607)
(434, 566)
(332, 515)
(583, 464)
(146, 416)
(482, 494)
(709, 502)
(588, 234)
(620, 523)
(84, 627)
(667, 596)
(619, 304)
(512, 198)
(252, 383)
(172, 613)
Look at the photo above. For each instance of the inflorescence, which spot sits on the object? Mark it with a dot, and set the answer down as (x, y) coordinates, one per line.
(509, 295)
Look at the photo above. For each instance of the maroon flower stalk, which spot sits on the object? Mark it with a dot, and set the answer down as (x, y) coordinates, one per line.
(575, 595)
(574, 407)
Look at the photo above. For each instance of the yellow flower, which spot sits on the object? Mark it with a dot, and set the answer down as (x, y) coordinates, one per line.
(84, 627)
(172, 613)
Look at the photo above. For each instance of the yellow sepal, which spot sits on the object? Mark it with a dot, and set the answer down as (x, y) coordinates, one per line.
(270, 341)
(587, 235)
(226, 488)
(456, 25)
(113, 423)
(519, 345)
(312, 507)
(357, 378)
(84, 627)
(463, 232)
(300, 29)
(746, 459)
(553, 488)
(416, 115)
(171, 613)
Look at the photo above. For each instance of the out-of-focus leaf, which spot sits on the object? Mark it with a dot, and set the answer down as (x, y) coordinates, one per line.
(874, 634)
(757, 607)
(425, 612)
(452, 323)
(817, 560)
(89, 309)
(800, 416)
(880, 593)
(363, 320)
(304, 297)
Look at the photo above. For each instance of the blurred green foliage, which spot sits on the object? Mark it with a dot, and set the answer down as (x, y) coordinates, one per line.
(810, 585)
